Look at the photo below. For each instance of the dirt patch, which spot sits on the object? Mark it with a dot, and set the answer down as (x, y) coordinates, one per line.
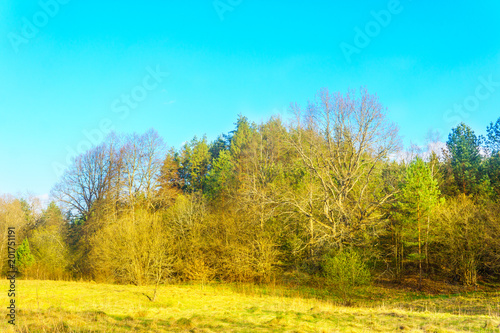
(429, 286)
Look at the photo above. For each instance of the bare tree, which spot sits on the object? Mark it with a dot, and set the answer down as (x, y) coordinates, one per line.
(154, 151)
(87, 180)
(342, 140)
(142, 159)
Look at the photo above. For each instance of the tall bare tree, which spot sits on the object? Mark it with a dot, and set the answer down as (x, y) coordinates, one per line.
(343, 140)
(142, 159)
(87, 180)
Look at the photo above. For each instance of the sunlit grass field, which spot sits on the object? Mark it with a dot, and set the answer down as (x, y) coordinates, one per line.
(49, 306)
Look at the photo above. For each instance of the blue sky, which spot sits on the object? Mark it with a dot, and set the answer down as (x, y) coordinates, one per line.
(66, 68)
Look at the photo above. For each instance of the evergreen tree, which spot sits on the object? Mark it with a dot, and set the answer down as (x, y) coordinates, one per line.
(463, 146)
(493, 138)
(419, 194)
(24, 258)
(195, 163)
(222, 143)
(493, 163)
(220, 175)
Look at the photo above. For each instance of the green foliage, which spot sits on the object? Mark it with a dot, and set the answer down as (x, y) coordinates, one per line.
(219, 145)
(463, 145)
(195, 162)
(419, 191)
(241, 136)
(493, 138)
(492, 166)
(419, 194)
(220, 176)
(345, 270)
(24, 258)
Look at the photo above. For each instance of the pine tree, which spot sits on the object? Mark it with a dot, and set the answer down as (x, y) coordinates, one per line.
(493, 162)
(220, 176)
(419, 194)
(24, 258)
(493, 139)
(463, 146)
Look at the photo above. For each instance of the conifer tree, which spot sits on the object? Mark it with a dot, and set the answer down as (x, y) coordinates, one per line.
(463, 146)
(24, 258)
(419, 194)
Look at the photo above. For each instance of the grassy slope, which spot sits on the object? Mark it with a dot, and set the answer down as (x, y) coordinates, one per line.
(90, 307)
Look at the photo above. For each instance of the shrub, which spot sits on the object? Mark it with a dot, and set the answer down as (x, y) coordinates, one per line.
(24, 258)
(345, 270)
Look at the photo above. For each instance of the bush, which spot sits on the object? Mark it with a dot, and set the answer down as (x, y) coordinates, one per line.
(24, 258)
(344, 271)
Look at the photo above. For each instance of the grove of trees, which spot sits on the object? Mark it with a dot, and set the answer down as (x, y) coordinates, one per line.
(271, 201)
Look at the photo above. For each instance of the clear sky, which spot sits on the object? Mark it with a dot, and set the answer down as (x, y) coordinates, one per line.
(75, 67)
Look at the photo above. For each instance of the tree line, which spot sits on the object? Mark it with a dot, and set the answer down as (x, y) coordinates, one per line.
(275, 200)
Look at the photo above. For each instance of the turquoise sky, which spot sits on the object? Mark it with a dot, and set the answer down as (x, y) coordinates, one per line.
(71, 70)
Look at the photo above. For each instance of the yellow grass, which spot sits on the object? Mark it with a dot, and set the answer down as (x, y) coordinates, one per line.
(48, 306)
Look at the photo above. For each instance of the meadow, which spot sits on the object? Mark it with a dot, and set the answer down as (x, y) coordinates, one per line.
(60, 306)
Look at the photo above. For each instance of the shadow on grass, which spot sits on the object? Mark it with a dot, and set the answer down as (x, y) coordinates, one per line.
(59, 321)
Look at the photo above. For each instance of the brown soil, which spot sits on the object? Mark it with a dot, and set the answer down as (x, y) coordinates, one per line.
(429, 286)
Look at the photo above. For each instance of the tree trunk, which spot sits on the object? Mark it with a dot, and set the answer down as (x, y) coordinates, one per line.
(427, 246)
(419, 250)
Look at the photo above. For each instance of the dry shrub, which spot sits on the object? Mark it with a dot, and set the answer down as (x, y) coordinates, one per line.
(133, 249)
